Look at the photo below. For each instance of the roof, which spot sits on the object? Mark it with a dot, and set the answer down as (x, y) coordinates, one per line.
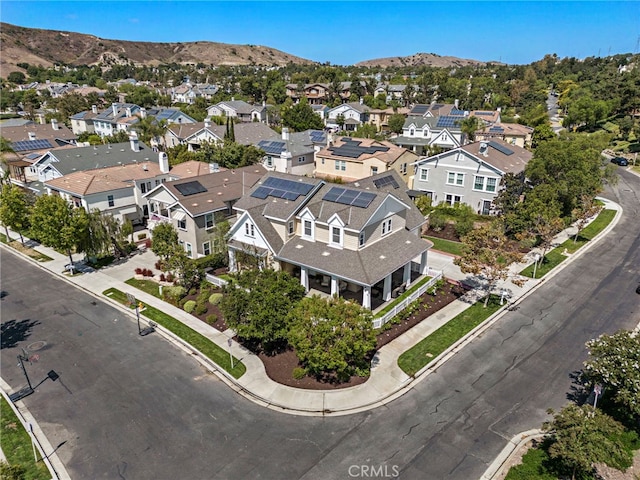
(505, 157)
(240, 106)
(507, 129)
(192, 168)
(361, 149)
(104, 179)
(42, 132)
(107, 115)
(358, 107)
(215, 190)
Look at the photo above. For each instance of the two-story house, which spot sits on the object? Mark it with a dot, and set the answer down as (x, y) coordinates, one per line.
(243, 111)
(351, 159)
(471, 174)
(348, 116)
(293, 152)
(82, 122)
(195, 204)
(511, 133)
(119, 117)
(360, 242)
(196, 134)
(421, 132)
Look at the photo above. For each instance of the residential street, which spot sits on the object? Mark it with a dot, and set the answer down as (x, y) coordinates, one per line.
(136, 407)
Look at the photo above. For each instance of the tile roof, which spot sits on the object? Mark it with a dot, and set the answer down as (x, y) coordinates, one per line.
(192, 168)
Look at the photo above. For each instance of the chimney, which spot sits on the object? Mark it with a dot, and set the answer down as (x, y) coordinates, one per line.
(361, 100)
(54, 124)
(114, 107)
(163, 161)
(207, 124)
(285, 133)
(41, 119)
(127, 111)
(484, 149)
(214, 167)
(456, 103)
(233, 99)
(32, 135)
(133, 140)
(143, 112)
(94, 109)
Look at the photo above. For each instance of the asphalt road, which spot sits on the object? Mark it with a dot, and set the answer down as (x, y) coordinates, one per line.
(130, 407)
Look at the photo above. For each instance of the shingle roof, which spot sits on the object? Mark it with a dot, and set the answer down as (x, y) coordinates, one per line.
(192, 168)
(368, 148)
(513, 163)
(42, 132)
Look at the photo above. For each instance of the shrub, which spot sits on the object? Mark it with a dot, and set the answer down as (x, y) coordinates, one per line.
(203, 296)
(148, 272)
(463, 226)
(170, 277)
(173, 294)
(193, 291)
(159, 265)
(201, 308)
(299, 373)
(138, 271)
(189, 306)
(212, 318)
(162, 277)
(437, 221)
(213, 261)
(215, 298)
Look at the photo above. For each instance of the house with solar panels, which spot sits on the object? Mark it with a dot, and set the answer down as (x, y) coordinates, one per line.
(196, 134)
(511, 133)
(354, 114)
(293, 152)
(359, 240)
(350, 159)
(194, 205)
(420, 133)
(243, 111)
(119, 117)
(471, 174)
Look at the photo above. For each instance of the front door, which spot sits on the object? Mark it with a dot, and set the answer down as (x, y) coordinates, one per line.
(486, 207)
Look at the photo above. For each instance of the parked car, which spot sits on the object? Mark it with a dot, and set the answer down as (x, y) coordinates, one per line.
(623, 162)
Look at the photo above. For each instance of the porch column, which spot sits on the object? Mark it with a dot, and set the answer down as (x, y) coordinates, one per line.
(304, 278)
(386, 292)
(406, 274)
(232, 261)
(423, 263)
(366, 297)
(334, 286)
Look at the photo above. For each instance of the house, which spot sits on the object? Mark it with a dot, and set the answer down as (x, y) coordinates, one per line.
(348, 116)
(390, 91)
(471, 174)
(437, 109)
(320, 110)
(194, 205)
(187, 93)
(168, 115)
(292, 152)
(243, 111)
(360, 242)
(82, 122)
(511, 133)
(319, 93)
(351, 159)
(380, 118)
(199, 133)
(117, 190)
(119, 117)
(487, 117)
(421, 132)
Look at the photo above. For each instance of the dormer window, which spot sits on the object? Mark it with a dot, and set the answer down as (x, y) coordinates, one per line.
(386, 226)
(336, 236)
(362, 239)
(249, 229)
(307, 229)
(290, 228)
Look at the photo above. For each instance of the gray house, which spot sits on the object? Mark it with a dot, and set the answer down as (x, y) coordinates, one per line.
(293, 152)
(471, 174)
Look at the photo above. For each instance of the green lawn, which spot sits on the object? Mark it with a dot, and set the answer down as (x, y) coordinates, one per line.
(147, 286)
(555, 257)
(217, 354)
(454, 248)
(533, 467)
(430, 347)
(16, 445)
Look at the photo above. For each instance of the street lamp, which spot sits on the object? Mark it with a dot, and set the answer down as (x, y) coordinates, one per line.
(536, 258)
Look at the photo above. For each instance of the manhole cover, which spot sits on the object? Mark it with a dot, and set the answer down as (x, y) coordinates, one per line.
(35, 346)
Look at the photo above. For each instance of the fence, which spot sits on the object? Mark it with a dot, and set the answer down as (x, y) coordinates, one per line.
(409, 299)
(216, 280)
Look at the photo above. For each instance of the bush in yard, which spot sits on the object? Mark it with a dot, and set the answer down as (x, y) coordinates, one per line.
(193, 291)
(162, 277)
(189, 306)
(138, 271)
(212, 318)
(173, 294)
(158, 265)
(215, 298)
(170, 277)
(203, 296)
(463, 226)
(201, 308)
(299, 373)
(437, 220)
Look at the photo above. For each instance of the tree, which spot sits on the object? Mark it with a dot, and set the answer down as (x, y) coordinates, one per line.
(469, 126)
(541, 133)
(587, 209)
(185, 268)
(14, 210)
(366, 130)
(165, 240)
(257, 307)
(583, 436)
(103, 232)
(16, 77)
(151, 130)
(613, 362)
(55, 223)
(540, 214)
(301, 117)
(396, 122)
(332, 336)
(486, 252)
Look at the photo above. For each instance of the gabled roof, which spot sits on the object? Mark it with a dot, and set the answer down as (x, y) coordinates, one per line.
(108, 115)
(98, 180)
(507, 129)
(240, 106)
(192, 168)
(358, 107)
(42, 132)
(361, 149)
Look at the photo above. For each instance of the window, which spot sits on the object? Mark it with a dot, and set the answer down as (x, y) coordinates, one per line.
(206, 248)
(208, 220)
(308, 230)
(362, 239)
(300, 159)
(412, 132)
(424, 175)
(386, 226)
(374, 170)
(341, 165)
(269, 162)
(452, 200)
(403, 168)
(491, 185)
(336, 235)
(182, 224)
(189, 250)
(478, 183)
(290, 227)
(110, 200)
(249, 229)
(322, 161)
(454, 178)
(487, 184)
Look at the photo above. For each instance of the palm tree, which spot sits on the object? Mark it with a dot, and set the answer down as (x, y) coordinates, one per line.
(470, 126)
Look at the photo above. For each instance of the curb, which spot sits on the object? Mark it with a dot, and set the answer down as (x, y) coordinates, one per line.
(499, 464)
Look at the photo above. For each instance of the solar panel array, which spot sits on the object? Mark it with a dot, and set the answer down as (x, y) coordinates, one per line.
(419, 109)
(272, 147)
(164, 114)
(281, 188)
(351, 148)
(496, 129)
(490, 114)
(345, 196)
(24, 145)
(317, 136)
(448, 121)
(190, 188)
(458, 112)
(386, 180)
(501, 148)
(437, 106)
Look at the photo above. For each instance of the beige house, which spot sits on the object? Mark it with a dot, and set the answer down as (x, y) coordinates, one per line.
(511, 133)
(352, 159)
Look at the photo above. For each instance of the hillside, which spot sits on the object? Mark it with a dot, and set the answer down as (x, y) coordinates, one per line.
(420, 59)
(46, 47)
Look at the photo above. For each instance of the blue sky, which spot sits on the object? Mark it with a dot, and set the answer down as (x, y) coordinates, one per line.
(346, 32)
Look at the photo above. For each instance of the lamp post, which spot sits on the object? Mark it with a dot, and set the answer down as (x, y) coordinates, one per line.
(536, 258)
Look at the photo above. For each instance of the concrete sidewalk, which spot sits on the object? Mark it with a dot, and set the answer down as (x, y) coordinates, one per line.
(387, 381)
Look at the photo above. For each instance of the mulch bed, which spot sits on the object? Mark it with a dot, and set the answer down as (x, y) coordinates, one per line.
(447, 233)
(280, 366)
